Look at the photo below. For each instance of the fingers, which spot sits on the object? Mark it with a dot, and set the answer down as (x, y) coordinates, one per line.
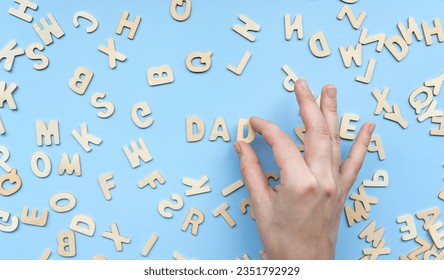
(317, 138)
(285, 152)
(330, 113)
(351, 166)
(251, 170)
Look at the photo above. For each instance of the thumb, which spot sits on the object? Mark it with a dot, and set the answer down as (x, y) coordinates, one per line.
(251, 170)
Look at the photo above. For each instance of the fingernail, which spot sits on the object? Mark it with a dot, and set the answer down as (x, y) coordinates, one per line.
(331, 92)
(371, 128)
(237, 147)
(303, 83)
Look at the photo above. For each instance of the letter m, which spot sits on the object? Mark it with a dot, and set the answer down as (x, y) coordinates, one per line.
(45, 133)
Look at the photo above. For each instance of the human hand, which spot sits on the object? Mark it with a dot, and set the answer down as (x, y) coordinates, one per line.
(299, 218)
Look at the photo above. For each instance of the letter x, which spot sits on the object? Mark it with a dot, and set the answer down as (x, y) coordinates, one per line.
(381, 97)
(115, 236)
(113, 55)
(364, 198)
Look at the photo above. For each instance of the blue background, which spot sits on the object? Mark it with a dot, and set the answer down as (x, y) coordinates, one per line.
(413, 157)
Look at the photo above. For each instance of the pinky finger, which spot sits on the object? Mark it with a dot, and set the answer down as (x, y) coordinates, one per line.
(352, 165)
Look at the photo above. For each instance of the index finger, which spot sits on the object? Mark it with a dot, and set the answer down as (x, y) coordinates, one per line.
(286, 154)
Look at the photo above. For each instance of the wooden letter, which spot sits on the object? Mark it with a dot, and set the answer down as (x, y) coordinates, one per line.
(173, 9)
(197, 187)
(244, 131)
(396, 116)
(2, 128)
(441, 195)
(233, 187)
(151, 180)
(351, 54)
(300, 132)
(440, 130)
(241, 66)
(437, 237)
(364, 39)
(195, 129)
(243, 207)
(106, 186)
(144, 112)
(14, 179)
(72, 201)
(107, 105)
(296, 26)
(20, 12)
(6, 95)
(204, 60)
(425, 246)
(178, 256)
(263, 255)
(81, 80)
(159, 76)
(355, 22)
(87, 16)
(46, 164)
(407, 33)
(376, 146)
(313, 43)
(436, 83)
(425, 216)
(346, 126)
(84, 138)
(355, 215)
(223, 132)
(375, 252)
(70, 166)
(164, 204)
(30, 53)
(368, 73)
(66, 241)
(243, 30)
(132, 26)
(410, 227)
(380, 179)
(149, 245)
(113, 55)
(290, 79)
(381, 97)
(430, 31)
(46, 132)
(222, 211)
(417, 104)
(200, 217)
(434, 251)
(9, 52)
(4, 152)
(115, 236)
(403, 50)
(33, 219)
(138, 153)
(4, 216)
(90, 228)
(372, 235)
(364, 198)
(47, 30)
(431, 112)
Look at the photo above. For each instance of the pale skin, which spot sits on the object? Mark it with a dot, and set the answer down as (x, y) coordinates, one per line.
(299, 218)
